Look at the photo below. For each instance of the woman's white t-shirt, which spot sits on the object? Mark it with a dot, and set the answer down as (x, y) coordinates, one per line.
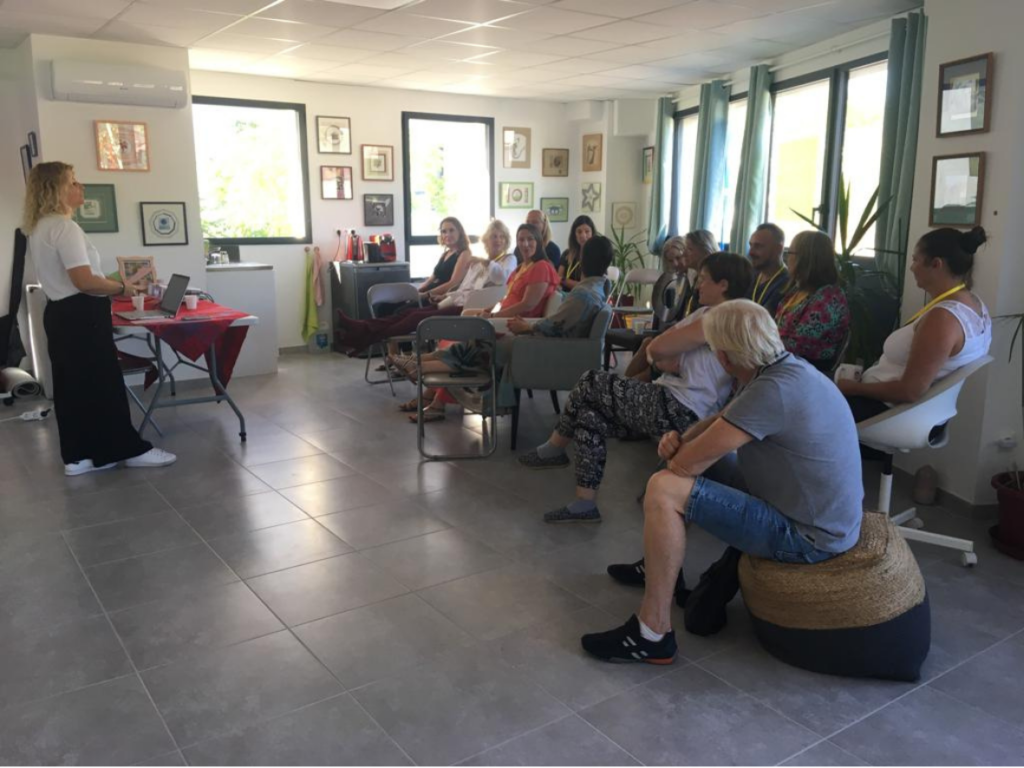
(702, 385)
(56, 245)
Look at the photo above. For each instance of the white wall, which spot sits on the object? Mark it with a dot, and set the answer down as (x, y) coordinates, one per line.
(376, 115)
(990, 403)
(66, 133)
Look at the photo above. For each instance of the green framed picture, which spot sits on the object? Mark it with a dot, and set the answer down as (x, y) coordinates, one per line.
(555, 208)
(515, 194)
(99, 211)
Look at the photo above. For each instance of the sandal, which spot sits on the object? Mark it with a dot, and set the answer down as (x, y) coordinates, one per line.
(409, 407)
(429, 415)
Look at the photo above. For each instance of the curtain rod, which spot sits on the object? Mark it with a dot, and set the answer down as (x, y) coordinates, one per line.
(820, 54)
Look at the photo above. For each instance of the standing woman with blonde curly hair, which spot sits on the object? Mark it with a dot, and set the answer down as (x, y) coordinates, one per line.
(93, 419)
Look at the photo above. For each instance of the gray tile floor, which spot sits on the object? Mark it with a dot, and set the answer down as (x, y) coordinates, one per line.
(319, 596)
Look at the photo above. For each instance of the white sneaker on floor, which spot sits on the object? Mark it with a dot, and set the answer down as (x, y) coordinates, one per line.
(154, 457)
(84, 466)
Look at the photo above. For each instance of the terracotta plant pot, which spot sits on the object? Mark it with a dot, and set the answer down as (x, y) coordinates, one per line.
(1008, 536)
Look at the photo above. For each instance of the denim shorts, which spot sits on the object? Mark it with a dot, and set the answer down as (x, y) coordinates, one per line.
(750, 524)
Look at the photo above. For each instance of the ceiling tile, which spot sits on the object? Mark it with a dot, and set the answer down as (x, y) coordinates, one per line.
(48, 24)
(625, 32)
(698, 60)
(498, 37)
(442, 49)
(290, 66)
(240, 7)
(618, 8)
(337, 54)
(184, 18)
(862, 12)
(153, 35)
(569, 46)
(701, 15)
(396, 23)
(417, 79)
(369, 41)
(555, 22)
(319, 12)
(95, 9)
(339, 77)
(692, 41)
(403, 60)
(639, 72)
(220, 60)
(793, 28)
(575, 67)
(630, 54)
(528, 75)
(471, 11)
(371, 71)
(231, 42)
(519, 59)
(281, 30)
(781, 6)
(594, 80)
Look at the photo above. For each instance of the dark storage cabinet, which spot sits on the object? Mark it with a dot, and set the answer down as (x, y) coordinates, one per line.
(350, 280)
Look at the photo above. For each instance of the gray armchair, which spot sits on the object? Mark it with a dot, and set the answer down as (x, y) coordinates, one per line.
(540, 362)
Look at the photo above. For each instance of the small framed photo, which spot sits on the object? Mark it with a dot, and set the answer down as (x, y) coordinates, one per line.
(33, 144)
(555, 208)
(121, 146)
(647, 168)
(99, 211)
(334, 135)
(958, 182)
(965, 96)
(623, 215)
(555, 162)
(515, 144)
(378, 210)
(137, 271)
(593, 152)
(336, 182)
(26, 160)
(378, 162)
(515, 194)
(591, 197)
(163, 224)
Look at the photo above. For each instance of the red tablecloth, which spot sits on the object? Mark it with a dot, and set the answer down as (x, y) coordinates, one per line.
(194, 332)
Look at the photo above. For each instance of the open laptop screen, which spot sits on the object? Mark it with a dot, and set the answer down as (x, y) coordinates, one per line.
(174, 294)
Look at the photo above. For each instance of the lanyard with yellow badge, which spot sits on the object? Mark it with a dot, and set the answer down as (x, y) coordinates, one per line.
(935, 301)
(767, 285)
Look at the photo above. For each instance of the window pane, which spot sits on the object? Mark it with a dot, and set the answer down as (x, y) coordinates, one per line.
(249, 164)
(799, 127)
(449, 175)
(862, 143)
(733, 147)
(687, 159)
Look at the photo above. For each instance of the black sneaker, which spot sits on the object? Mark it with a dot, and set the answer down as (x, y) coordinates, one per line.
(635, 575)
(532, 460)
(705, 610)
(625, 644)
(566, 515)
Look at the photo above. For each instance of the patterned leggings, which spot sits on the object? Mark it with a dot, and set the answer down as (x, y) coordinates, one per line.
(607, 405)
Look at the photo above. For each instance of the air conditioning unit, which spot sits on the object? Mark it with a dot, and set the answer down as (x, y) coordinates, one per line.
(119, 84)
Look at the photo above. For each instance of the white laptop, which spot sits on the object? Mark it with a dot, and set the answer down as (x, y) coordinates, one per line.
(170, 304)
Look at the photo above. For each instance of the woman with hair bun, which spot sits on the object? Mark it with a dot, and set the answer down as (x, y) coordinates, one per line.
(952, 330)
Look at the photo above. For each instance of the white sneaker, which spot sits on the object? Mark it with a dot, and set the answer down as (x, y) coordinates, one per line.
(154, 457)
(84, 466)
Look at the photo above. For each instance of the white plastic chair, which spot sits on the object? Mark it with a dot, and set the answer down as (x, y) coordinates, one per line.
(639, 276)
(485, 298)
(905, 428)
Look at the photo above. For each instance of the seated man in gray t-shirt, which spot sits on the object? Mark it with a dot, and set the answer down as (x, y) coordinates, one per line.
(798, 452)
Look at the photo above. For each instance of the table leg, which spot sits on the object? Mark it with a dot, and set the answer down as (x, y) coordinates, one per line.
(160, 372)
(221, 391)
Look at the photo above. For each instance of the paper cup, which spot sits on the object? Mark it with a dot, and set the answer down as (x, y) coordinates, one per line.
(139, 302)
(191, 301)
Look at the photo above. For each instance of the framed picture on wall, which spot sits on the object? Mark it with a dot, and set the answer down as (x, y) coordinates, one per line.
(623, 215)
(336, 182)
(555, 162)
(515, 147)
(591, 197)
(555, 208)
(515, 194)
(647, 167)
(163, 224)
(334, 135)
(138, 271)
(965, 96)
(378, 210)
(378, 162)
(26, 160)
(99, 211)
(593, 148)
(33, 144)
(958, 184)
(121, 146)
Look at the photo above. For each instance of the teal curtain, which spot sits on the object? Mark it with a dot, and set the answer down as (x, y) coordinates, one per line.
(899, 143)
(709, 164)
(661, 184)
(752, 183)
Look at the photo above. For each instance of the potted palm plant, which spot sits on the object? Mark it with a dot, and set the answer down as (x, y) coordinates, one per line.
(627, 253)
(1008, 535)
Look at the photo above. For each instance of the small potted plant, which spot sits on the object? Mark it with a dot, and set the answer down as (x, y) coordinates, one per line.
(1008, 535)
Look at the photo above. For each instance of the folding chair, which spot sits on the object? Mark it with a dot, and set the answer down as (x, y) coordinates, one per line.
(465, 330)
(387, 293)
(924, 424)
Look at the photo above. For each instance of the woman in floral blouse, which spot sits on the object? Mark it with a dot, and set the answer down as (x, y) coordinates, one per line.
(813, 316)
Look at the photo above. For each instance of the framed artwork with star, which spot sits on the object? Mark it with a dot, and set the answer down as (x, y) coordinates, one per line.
(591, 197)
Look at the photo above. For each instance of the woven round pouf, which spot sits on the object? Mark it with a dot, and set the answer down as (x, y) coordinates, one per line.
(862, 614)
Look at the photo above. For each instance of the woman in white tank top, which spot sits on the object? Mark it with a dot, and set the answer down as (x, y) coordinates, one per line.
(952, 330)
